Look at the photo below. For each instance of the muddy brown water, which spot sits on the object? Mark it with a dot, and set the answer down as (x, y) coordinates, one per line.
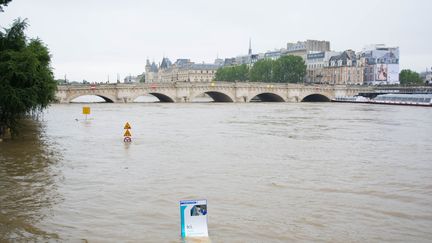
(271, 172)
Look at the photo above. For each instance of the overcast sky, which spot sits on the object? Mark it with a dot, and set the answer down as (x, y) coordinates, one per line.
(91, 39)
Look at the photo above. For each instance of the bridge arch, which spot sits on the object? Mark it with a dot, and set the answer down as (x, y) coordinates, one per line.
(316, 97)
(162, 97)
(145, 98)
(267, 97)
(156, 95)
(106, 98)
(216, 96)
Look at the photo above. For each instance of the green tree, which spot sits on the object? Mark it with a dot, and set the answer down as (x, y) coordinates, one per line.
(242, 73)
(4, 3)
(289, 69)
(223, 74)
(142, 78)
(408, 77)
(233, 73)
(27, 84)
(262, 71)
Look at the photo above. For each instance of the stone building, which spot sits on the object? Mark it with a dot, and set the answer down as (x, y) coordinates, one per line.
(315, 64)
(201, 72)
(302, 48)
(345, 69)
(273, 55)
(381, 64)
(248, 59)
(183, 70)
(151, 72)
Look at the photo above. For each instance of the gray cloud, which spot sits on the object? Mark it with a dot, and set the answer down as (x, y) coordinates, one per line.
(93, 39)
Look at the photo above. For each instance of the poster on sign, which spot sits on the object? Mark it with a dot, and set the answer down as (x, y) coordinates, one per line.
(193, 218)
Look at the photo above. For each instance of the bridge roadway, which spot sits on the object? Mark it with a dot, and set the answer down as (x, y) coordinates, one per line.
(219, 91)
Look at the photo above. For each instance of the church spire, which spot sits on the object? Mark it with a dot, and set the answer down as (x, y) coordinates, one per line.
(250, 47)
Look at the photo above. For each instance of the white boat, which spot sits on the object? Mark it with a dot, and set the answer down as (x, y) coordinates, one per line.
(391, 99)
(404, 99)
(352, 99)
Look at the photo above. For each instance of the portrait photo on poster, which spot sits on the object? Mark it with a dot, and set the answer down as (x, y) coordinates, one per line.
(382, 72)
(198, 210)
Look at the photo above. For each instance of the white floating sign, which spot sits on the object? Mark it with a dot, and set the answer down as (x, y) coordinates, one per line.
(193, 218)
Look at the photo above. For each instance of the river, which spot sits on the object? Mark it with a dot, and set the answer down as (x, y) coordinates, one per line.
(271, 172)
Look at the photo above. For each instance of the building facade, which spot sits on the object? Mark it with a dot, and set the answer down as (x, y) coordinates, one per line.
(248, 59)
(183, 70)
(381, 64)
(151, 71)
(427, 77)
(273, 55)
(134, 79)
(302, 48)
(315, 64)
(344, 69)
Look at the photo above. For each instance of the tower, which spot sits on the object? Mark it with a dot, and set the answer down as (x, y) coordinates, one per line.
(250, 47)
(147, 66)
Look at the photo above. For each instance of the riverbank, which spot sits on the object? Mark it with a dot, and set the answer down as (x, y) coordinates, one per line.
(5, 134)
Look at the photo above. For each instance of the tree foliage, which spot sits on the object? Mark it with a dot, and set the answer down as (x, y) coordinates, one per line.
(408, 77)
(262, 71)
(4, 3)
(27, 84)
(233, 73)
(287, 69)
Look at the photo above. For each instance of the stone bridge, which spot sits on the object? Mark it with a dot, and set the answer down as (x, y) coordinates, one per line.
(219, 91)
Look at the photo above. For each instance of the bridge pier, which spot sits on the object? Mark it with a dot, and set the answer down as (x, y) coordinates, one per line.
(241, 99)
(293, 99)
(124, 100)
(182, 99)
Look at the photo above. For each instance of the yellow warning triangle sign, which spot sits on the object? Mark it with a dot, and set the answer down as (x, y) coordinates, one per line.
(127, 133)
(127, 126)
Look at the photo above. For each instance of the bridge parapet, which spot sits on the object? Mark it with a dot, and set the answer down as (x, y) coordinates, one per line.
(219, 91)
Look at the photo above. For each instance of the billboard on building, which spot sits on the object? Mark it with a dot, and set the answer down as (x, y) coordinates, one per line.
(382, 65)
(387, 56)
(381, 72)
(317, 55)
(393, 73)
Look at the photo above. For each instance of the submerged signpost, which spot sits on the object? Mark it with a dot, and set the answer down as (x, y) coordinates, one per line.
(86, 111)
(193, 218)
(127, 134)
